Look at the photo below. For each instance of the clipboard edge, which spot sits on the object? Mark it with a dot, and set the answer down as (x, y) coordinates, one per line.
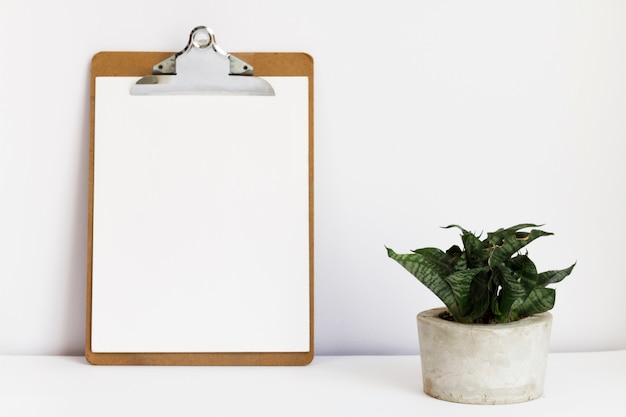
(201, 359)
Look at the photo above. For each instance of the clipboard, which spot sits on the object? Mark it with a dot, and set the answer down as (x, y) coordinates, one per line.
(165, 289)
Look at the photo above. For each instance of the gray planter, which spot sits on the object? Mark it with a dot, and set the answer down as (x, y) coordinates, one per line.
(483, 363)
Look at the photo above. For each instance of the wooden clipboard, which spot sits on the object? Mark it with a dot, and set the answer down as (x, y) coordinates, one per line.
(138, 64)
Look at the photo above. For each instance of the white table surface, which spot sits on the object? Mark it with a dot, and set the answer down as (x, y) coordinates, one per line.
(592, 383)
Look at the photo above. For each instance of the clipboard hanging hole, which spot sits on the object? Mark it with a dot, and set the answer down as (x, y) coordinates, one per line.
(202, 38)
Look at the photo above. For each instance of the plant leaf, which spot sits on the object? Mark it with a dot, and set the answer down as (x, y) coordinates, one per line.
(551, 277)
(494, 238)
(524, 272)
(518, 277)
(460, 283)
(474, 248)
(511, 243)
(450, 226)
(538, 301)
(479, 296)
(437, 271)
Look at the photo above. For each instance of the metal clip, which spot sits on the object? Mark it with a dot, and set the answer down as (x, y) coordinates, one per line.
(202, 67)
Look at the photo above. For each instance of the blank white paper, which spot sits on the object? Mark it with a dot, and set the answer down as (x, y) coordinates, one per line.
(201, 221)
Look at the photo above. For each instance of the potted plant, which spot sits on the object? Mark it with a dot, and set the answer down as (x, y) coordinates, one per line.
(489, 344)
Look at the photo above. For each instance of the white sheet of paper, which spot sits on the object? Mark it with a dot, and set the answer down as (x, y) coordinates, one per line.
(200, 224)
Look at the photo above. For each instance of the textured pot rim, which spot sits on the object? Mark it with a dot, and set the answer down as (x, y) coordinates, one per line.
(431, 316)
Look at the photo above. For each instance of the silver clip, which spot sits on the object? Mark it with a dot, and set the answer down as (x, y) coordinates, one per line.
(202, 67)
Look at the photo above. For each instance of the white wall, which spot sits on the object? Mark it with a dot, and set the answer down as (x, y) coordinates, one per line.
(482, 113)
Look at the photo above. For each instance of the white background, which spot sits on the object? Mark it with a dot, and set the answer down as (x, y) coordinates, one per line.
(482, 113)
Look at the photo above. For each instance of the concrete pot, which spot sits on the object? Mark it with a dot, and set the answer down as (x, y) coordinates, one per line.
(483, 363)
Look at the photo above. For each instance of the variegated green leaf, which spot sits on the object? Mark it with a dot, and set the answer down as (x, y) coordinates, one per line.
(436, 270)
(538, 301)
(551, 277)
(518, 277)
(511, 244)
(494, 238)
(474, 248)
(479, 296)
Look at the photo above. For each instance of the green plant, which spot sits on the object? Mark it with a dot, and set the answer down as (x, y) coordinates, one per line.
(489, 280)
